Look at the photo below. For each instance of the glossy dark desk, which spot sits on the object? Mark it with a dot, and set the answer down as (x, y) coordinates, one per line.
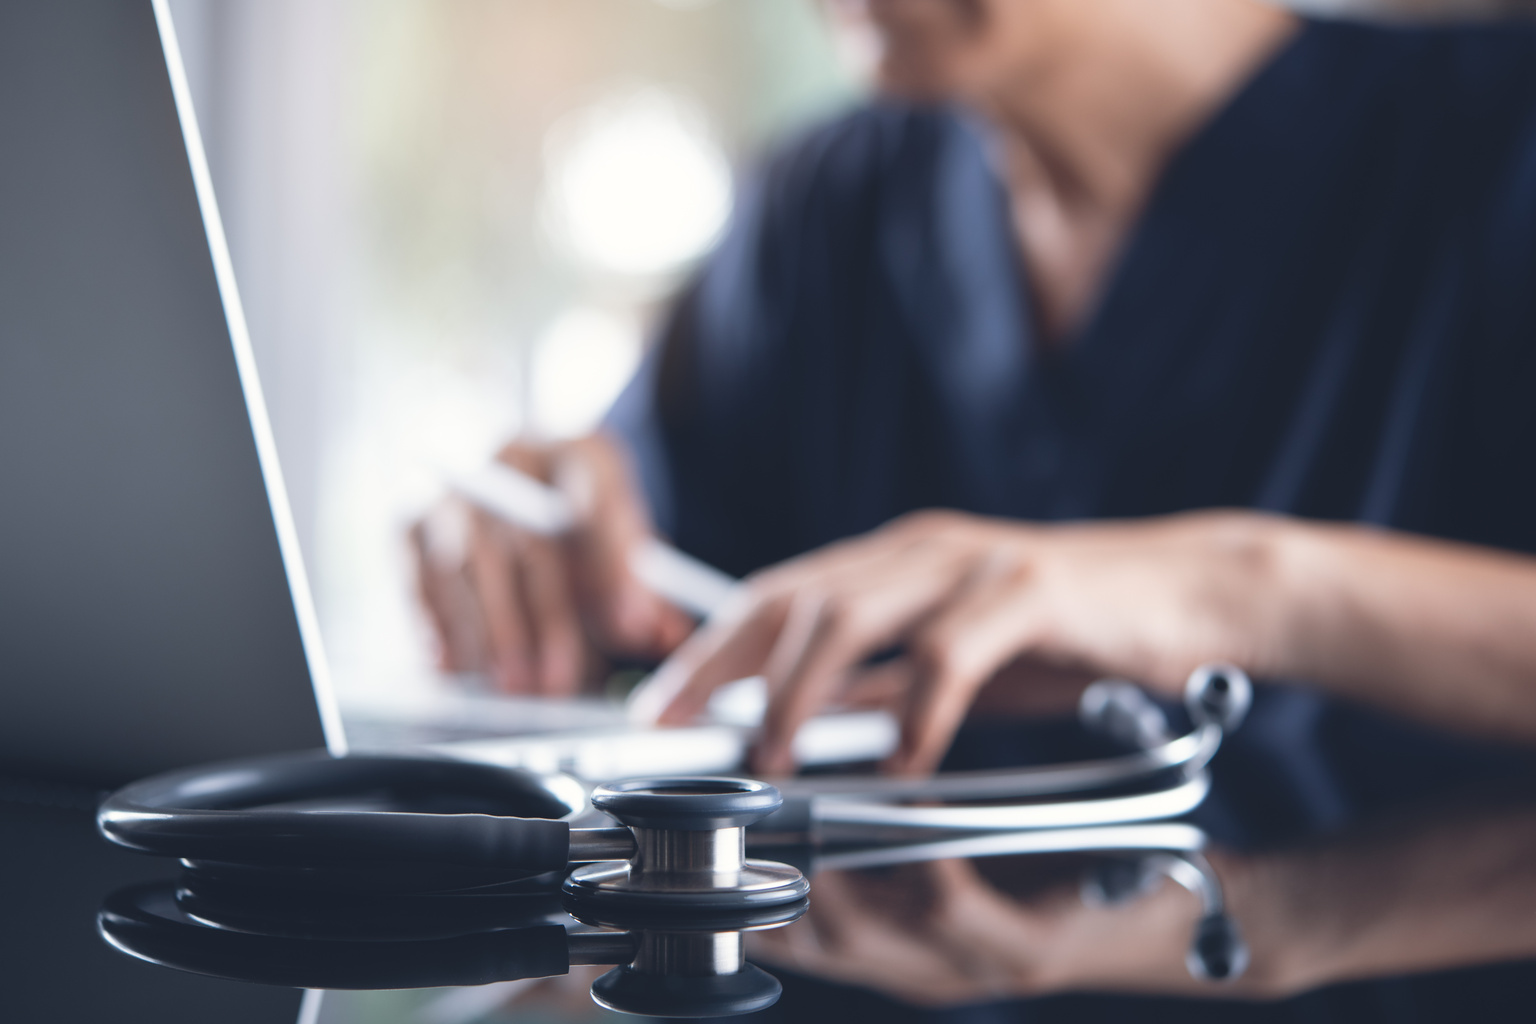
(54, 872)
(1427, 916)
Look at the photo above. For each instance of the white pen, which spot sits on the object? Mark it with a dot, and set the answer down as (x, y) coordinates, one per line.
(688, 583)
(539, 508)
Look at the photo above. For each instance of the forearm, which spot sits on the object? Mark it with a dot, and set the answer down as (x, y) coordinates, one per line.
(1438, 631)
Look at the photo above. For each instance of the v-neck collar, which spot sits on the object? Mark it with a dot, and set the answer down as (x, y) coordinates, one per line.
(950, 240)
(1190, 157)
(1236, 192)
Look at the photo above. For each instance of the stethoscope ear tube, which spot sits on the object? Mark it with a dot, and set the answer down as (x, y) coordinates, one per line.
(1219, 695)
(219, 814)
(266, 836)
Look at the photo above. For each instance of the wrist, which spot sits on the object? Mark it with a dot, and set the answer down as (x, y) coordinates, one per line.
(1308, 599)
(1256, 587)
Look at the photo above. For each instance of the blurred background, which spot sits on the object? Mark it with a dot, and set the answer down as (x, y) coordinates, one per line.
(456, 220)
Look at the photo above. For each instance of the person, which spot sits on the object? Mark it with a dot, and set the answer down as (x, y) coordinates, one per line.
(1113, 338)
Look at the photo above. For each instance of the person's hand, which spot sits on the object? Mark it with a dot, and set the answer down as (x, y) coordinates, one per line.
(521, 607)
(968, 600)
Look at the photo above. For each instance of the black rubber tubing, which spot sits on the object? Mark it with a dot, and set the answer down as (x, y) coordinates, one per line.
(222, 812)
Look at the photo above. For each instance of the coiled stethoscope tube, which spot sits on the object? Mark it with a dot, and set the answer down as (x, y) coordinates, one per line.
(1162, 777)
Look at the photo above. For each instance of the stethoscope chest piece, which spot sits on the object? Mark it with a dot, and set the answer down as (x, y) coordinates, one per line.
(690, 848)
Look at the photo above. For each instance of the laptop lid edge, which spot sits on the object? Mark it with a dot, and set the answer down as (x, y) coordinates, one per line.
(250, 385)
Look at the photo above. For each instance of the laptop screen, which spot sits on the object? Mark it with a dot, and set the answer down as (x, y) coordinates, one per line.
(146, 617)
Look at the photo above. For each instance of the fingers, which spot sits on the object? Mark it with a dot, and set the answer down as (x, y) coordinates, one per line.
(732, 646)
(554, 625)
(808, 662)
(521, 605)
(521, 611)
(534, 634)
(1030, 687)
(878, 686)
(982, 628)
(878, 602)
(805, 626)
(612, 522)
(735, 643)
(493, 572)
(960, 606)
(439, 543)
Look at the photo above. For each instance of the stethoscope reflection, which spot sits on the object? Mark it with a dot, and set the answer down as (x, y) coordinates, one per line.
(689, 965)
(1129, 861)
(1441, 884)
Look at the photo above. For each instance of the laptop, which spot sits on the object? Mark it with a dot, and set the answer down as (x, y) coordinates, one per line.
(154, 610)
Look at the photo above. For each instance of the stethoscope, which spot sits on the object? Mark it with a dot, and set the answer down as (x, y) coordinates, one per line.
(407, 824)
(665, 963)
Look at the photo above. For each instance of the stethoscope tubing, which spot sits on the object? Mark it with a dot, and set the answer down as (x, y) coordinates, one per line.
(1190, 751)
(160, 816)
(295, 811)
(1179, 798)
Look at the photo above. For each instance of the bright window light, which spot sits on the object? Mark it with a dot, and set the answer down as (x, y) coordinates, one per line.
(635, 185)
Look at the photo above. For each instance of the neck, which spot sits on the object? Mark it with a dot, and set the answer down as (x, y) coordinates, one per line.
(1085, 117)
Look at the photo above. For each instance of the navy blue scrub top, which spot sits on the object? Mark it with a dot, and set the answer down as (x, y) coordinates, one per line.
(1328, 309)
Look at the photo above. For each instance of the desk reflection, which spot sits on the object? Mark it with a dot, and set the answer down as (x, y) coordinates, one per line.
(1426, 916)
(1447, 886)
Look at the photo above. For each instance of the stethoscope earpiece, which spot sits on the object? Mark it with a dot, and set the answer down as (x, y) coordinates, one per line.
(1218, 695)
